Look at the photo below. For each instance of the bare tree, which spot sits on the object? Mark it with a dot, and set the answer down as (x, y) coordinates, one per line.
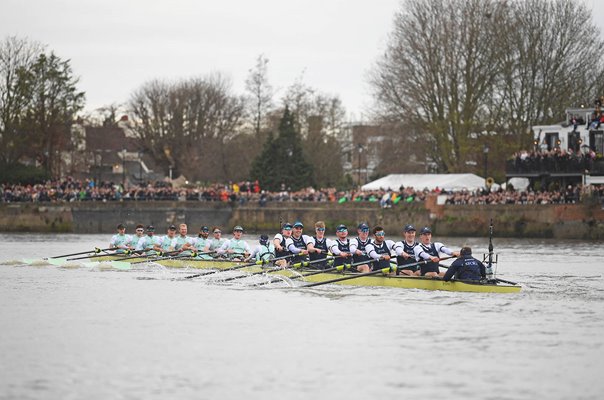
(552, 56)
(261, 92)
(438, 72)
(16, 54)
(456, 69)
(188, 125)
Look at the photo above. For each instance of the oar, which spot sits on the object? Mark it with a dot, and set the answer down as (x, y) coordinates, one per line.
(93, 256)
(385, 270)
(341, 267)
(174, 256)
(296, 265)
(96, 250)
(259, 262)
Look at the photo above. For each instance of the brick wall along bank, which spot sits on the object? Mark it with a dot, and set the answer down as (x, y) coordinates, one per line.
(565, 221)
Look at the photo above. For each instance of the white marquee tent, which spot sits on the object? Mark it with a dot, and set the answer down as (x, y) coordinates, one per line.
(449, 182)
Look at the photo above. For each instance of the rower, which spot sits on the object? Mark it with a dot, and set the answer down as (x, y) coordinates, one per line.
(358, 247)
(120, 241)
(184, 243)
(466, 268)
(317, 246)
(168, 241)
(263, 251)
(297, 243)
(379, 249)
(426, 250)
(200, 243)
(235, 248)
(341, 246)
(279, 243)
(405, 254)
(149, 244)
(140, 232)
(215, 242)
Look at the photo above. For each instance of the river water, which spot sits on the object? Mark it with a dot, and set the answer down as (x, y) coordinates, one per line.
(91, 333)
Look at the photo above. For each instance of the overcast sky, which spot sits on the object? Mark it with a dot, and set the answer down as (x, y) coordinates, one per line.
(116, 46)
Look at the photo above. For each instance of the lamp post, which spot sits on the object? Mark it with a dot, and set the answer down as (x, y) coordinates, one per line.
(140, 166)
(360, 151)
(485, 151)
(124, 169)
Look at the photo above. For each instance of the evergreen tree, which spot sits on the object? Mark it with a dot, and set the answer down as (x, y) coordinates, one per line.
(281, 162)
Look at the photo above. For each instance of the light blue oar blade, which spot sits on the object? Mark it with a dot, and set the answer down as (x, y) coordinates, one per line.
(57, 261)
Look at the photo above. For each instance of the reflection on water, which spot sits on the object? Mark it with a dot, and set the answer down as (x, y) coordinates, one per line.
(91, 331)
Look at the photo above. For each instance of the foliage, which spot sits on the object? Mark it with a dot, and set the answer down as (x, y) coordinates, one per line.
(281, 164)
(456, 72)
(38, 103)
(22, 174)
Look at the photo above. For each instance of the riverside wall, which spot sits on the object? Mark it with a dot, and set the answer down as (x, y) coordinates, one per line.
(563, 221)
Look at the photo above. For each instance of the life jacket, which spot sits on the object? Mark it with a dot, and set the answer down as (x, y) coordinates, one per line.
(361, 246)
(344, 247)
(380, 249)
(430, 266)
(283, 252)
(407, 248)
(299, 244)
(469, 270)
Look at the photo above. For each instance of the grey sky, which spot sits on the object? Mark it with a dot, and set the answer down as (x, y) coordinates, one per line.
(115, 46)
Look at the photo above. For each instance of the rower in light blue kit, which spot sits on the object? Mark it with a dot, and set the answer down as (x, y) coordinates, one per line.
(120, 241)
(201, 243)
(264, 251)
(216, 242)
(149, 244)
(235, 248)
(168, 241)
(184, 243)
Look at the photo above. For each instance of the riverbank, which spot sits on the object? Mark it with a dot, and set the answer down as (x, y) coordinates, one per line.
(560, 221)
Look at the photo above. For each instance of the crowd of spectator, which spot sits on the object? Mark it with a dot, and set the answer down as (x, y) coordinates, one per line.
(71, 190)
(555, 160)
(571, 195)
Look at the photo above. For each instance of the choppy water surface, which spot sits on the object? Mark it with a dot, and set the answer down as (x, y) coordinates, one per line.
(105, 334)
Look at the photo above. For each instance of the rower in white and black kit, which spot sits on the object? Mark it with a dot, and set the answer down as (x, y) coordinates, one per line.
(317, 247)
(380, 249)
(405, 252)
(297, 243)
(428, 251)
(358, 248)
(341, 246)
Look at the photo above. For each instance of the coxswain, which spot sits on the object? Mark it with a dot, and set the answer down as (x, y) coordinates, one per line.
(340, 247)
(405, 254)
(184, 243)
(380, 249)
(235, 248)
(279, 244)
(263, 251)
(358, 247)
(466, 268)
(149, 244)
(168, 241)
(317, 246)
(120, 241)
(297, 243)
(428, 251)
